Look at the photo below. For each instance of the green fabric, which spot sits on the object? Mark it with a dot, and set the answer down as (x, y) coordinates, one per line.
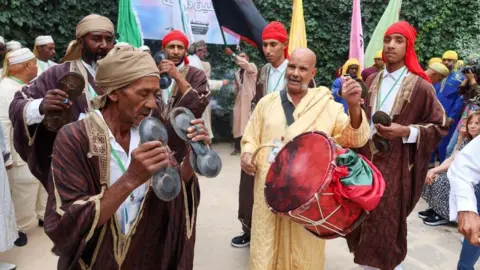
(389, 17)
(360, 174)
(127, 26)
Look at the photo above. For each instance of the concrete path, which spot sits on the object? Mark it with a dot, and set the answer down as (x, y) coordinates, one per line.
(429, 247)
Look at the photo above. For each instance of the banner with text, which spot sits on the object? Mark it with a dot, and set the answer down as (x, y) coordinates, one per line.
(157, 18)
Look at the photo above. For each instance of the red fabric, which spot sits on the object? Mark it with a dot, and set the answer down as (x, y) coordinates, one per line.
(276, 30)
(179, 36)
(411, 61)
(367, 197)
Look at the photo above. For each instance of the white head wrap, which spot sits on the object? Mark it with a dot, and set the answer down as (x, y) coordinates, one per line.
(20, 56)
(13, 45)
(43, 40)
(144, 48)
(2, 40)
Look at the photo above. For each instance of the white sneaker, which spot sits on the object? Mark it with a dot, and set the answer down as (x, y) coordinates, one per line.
(7, 266)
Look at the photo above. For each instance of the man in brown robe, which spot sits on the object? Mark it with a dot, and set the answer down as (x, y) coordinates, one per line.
(189, 86)
(33, 142)
(403, 91)
(103, 213)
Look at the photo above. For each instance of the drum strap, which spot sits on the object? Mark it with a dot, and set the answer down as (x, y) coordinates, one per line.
(288, 107)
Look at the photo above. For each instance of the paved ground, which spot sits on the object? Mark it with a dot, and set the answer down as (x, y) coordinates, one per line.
(429, 248)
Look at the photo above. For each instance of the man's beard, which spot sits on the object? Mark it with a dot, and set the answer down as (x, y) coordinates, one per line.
(92, 57)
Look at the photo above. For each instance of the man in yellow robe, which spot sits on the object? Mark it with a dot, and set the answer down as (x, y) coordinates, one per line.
(277, 242)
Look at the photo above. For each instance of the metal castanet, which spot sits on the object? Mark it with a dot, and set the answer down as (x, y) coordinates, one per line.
(204, 161)
(382, 144)
(166, 182)
(73, 84)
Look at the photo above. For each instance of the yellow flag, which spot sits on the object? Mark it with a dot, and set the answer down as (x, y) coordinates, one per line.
(298, 34)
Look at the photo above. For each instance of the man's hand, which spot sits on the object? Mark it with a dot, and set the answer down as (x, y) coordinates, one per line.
(228, 51)
(147, 159)
(393, 131)
(247, 164)
(470, 78)
(469, 226)
(197, 132)
(351, 92)
(226, 82)
(167, 66)
(54, 100)
(450, 122)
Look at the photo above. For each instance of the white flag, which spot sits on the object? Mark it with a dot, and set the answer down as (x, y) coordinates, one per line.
(181, 19)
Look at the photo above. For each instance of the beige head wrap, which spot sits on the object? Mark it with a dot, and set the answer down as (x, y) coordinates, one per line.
(122, 66)
(91, 23)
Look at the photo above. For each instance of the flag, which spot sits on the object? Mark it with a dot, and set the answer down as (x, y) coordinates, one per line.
(181, 19)
(242, 19)
(389, 17)
(128, 25)
(298, 34)
(356, 34)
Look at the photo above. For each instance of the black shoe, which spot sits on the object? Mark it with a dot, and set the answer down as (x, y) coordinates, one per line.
(40, 223)
(235, 153)
(22, 239)
(241, 241)
(435, 220)
(427, 213)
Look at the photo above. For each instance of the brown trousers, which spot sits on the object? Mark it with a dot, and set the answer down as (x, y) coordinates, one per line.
(245, 202)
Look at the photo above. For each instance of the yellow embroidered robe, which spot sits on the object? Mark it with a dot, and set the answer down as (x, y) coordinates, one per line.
(276, 242)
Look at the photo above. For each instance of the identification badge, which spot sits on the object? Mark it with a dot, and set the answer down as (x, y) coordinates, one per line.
(278, 146)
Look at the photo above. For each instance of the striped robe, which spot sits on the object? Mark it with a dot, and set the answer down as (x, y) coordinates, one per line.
(381, 241)
(162, 237)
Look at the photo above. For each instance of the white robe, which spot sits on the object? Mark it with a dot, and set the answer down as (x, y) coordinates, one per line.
(8, 224)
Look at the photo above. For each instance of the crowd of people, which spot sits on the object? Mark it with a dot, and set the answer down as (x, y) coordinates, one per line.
(101, 212)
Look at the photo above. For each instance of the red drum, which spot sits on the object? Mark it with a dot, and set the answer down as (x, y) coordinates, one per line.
(303, 184)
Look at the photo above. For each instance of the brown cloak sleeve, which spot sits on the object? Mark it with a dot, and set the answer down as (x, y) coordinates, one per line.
(73, 209)
(197, 98)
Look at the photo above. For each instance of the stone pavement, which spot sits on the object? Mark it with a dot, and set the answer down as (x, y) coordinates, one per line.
(429, 247)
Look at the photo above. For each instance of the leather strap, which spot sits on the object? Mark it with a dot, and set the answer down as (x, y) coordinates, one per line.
(288, 107)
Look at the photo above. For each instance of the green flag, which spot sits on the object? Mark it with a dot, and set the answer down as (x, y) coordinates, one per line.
(128, 26)
(389, 17)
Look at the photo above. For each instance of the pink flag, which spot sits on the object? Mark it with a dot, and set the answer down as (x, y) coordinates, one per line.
(356, 34)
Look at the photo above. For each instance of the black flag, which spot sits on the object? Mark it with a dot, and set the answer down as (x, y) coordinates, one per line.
(241, 18)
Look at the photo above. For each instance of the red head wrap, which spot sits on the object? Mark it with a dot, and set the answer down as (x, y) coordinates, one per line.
(179, 36)
(276, 30)
(411, 61)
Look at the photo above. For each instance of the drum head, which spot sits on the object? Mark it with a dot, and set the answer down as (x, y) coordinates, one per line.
(72, 83)
(300, 170)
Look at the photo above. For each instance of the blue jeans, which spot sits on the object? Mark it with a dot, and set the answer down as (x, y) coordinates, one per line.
(470, 253)
(452, 143)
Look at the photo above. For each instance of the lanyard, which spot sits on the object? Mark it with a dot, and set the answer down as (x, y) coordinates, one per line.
(92, 92)
(279, 79)
(379, 102)
(16, 79)
(122, 167)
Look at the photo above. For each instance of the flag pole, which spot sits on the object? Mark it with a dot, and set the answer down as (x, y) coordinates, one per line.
(223, 35)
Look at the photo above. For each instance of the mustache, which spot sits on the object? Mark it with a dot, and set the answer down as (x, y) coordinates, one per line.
(146, 111)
